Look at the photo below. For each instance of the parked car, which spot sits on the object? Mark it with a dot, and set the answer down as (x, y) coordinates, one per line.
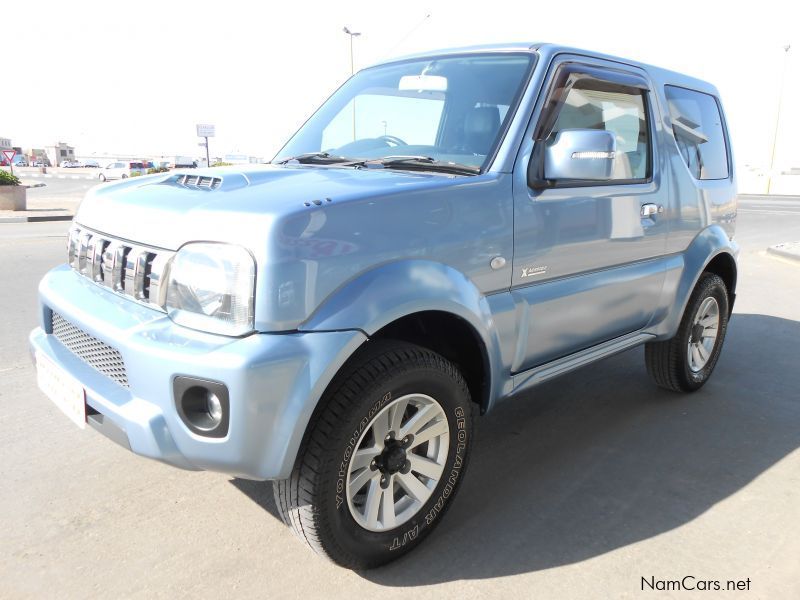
(121, 170)
(333, 321)
(70, 164)
(91, 164)
(21, 162)
(39, 163)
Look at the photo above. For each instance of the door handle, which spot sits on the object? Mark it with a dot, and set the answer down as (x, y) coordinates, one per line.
(648, 210)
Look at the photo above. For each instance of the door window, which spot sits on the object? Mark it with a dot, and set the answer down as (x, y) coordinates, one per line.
(621, 112)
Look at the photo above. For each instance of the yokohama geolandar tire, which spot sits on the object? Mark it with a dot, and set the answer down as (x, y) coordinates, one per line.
(383, 457)
(685, 362)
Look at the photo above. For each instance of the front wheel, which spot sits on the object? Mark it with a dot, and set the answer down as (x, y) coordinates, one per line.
(383, 458)
(685, 362)
(102, 177)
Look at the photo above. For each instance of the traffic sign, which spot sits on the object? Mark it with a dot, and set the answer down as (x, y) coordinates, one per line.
(9, 154)
(205, 130)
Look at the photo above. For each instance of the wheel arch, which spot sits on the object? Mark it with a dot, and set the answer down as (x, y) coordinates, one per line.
(452, 337)
(724, 265)
(711, 250)
(426, 303)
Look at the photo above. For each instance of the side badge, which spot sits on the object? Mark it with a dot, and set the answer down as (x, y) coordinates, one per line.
(533, 271)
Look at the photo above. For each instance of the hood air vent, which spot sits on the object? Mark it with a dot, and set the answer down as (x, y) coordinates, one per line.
(199, 181)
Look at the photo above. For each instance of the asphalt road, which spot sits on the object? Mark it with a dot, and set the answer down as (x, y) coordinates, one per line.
(60, 188)
(578, 490)
(56, 196)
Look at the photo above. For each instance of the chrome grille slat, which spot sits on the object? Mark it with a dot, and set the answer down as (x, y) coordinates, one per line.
(99, 247)
(118, 269)
(134, 271)
(89, 349)
(83, 249)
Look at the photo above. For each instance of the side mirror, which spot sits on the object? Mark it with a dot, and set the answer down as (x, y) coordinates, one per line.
(583, 154)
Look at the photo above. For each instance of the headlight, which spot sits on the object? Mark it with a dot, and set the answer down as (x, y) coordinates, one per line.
(211, 288)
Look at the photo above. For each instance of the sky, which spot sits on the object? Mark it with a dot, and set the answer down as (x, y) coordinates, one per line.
(134, 78)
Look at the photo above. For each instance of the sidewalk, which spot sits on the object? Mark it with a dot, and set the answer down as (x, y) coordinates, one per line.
(788, 250)
(32, 216)
(57, 176)
(55, 173)
(42, 208)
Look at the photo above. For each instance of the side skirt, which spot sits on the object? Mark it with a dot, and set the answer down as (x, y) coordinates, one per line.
(527, 379)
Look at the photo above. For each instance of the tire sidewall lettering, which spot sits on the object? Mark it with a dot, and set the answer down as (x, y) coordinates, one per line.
(351, 443)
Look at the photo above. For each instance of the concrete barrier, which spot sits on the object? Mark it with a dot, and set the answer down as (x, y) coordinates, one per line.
(13, 197)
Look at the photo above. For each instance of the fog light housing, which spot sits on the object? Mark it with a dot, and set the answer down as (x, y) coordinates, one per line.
(203, 405)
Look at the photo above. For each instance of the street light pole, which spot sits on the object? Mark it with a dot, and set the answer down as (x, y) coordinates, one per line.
(786, 49)
(352, 34)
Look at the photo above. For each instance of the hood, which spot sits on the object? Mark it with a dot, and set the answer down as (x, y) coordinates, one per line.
(232, 204)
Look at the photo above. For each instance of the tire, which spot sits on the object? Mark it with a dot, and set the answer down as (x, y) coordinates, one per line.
(323, 501)
(672, 363)
(124, 176)
(102, 177)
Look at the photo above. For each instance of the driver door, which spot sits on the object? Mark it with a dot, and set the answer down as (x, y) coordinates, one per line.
(588, 266)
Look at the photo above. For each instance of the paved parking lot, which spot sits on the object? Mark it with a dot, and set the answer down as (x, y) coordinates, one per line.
(578, 490)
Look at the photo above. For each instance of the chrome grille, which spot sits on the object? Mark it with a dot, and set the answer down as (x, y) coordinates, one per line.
(199, 181)
(92, 351)
(131, 270)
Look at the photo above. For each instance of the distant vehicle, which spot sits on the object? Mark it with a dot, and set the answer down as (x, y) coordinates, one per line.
(21, 162)
(121, 170)
(184, 162)
(39, 163)
(91, 164)
(70, 164)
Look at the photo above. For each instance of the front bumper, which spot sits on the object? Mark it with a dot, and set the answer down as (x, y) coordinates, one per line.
(274, 380)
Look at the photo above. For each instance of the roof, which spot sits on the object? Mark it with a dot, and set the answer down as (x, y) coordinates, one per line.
(548, 50)
(503, 47)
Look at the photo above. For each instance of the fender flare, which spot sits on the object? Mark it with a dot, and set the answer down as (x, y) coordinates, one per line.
(683, 271)
(388, 292)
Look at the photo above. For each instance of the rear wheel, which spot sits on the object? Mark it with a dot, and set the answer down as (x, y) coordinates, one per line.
(685, 362)
(102, 177)
(383, 457)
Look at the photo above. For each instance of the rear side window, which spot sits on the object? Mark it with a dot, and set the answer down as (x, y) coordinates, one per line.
(697, 125)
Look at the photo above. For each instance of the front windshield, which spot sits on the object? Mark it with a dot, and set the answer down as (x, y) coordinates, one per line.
(444, 109)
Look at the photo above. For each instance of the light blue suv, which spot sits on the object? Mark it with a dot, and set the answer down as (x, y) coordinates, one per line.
(447, 231)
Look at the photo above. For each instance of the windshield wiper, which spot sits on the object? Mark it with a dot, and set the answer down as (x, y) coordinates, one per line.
(318, 158)
(424, 163)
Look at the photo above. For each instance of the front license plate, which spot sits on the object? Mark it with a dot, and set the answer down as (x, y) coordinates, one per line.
(63, 389)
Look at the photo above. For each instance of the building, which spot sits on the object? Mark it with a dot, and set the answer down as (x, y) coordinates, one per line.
(59, 152)
(242, 159)
(5, 144)
(36, 155)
